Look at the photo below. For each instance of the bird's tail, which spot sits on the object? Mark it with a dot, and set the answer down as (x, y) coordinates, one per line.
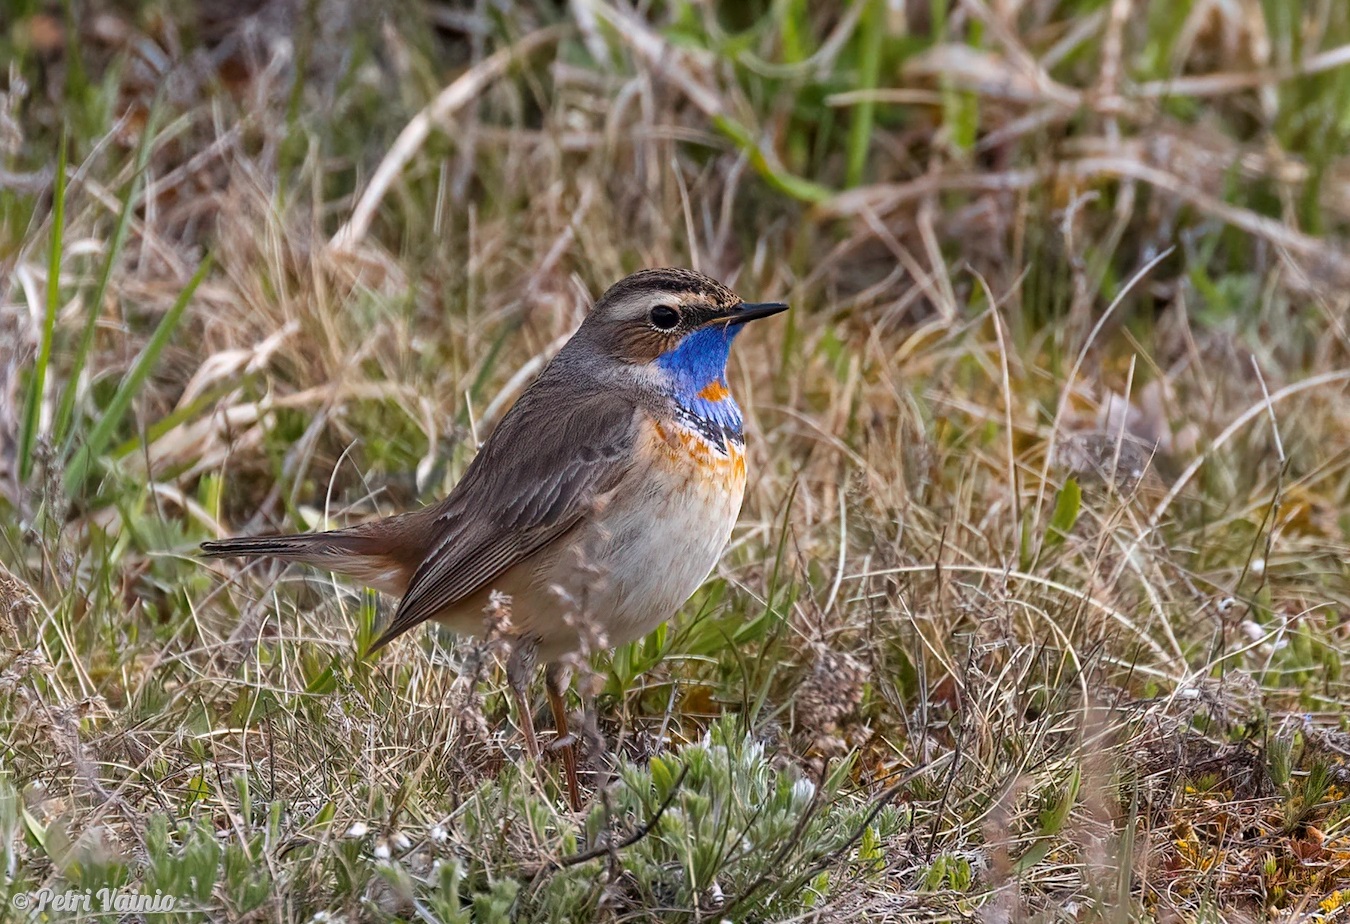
(311, 548)
(354, 552)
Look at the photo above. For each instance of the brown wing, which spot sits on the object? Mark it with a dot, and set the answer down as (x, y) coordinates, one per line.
(538, 474)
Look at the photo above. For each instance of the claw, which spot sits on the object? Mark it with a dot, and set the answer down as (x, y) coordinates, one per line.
(562, 742)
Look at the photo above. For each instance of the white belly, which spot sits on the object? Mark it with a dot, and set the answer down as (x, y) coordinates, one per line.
(646, 551)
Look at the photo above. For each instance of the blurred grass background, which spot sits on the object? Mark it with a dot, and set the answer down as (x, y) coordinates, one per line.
(1038, 605)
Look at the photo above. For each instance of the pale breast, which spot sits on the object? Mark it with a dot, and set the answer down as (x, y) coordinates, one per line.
(630, 565)
(653, 541)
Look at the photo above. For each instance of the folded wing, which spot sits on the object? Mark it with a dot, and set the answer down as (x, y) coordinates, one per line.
(537, 476)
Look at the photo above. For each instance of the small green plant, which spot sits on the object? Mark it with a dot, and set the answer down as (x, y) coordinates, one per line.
(947, 871)
(714, 827)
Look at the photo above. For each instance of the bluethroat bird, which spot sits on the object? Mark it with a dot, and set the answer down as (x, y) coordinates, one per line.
(600, 503)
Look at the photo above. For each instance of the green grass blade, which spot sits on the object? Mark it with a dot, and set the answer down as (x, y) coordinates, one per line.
(1068, 503)
(32, 411)
(131, 384)
(774, 173)
(176, 418)
(65, 412)
(871, 31)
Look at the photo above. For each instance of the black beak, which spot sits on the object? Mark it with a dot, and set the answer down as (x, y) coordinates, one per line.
(746, 311)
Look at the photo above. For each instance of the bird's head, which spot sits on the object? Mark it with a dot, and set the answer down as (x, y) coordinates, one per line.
(677, 323)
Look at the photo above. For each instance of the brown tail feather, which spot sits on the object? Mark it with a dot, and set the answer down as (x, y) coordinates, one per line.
(345, 551)
(300, 548)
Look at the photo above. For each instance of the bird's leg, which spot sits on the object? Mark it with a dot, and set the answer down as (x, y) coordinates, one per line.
(556, 678)
(519, 670)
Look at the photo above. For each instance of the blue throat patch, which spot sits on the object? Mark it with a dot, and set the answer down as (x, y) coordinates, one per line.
(696, 366)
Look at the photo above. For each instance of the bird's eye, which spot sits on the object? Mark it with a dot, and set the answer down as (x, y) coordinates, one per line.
(663, 317)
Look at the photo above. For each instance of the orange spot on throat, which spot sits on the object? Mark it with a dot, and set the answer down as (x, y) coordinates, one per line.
(714, 391)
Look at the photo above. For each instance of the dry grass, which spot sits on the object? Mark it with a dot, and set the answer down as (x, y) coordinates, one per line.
(1041, 576)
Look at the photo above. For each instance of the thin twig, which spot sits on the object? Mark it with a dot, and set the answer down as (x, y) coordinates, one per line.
(832, 856)
(1220, 84)
(637, 834)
